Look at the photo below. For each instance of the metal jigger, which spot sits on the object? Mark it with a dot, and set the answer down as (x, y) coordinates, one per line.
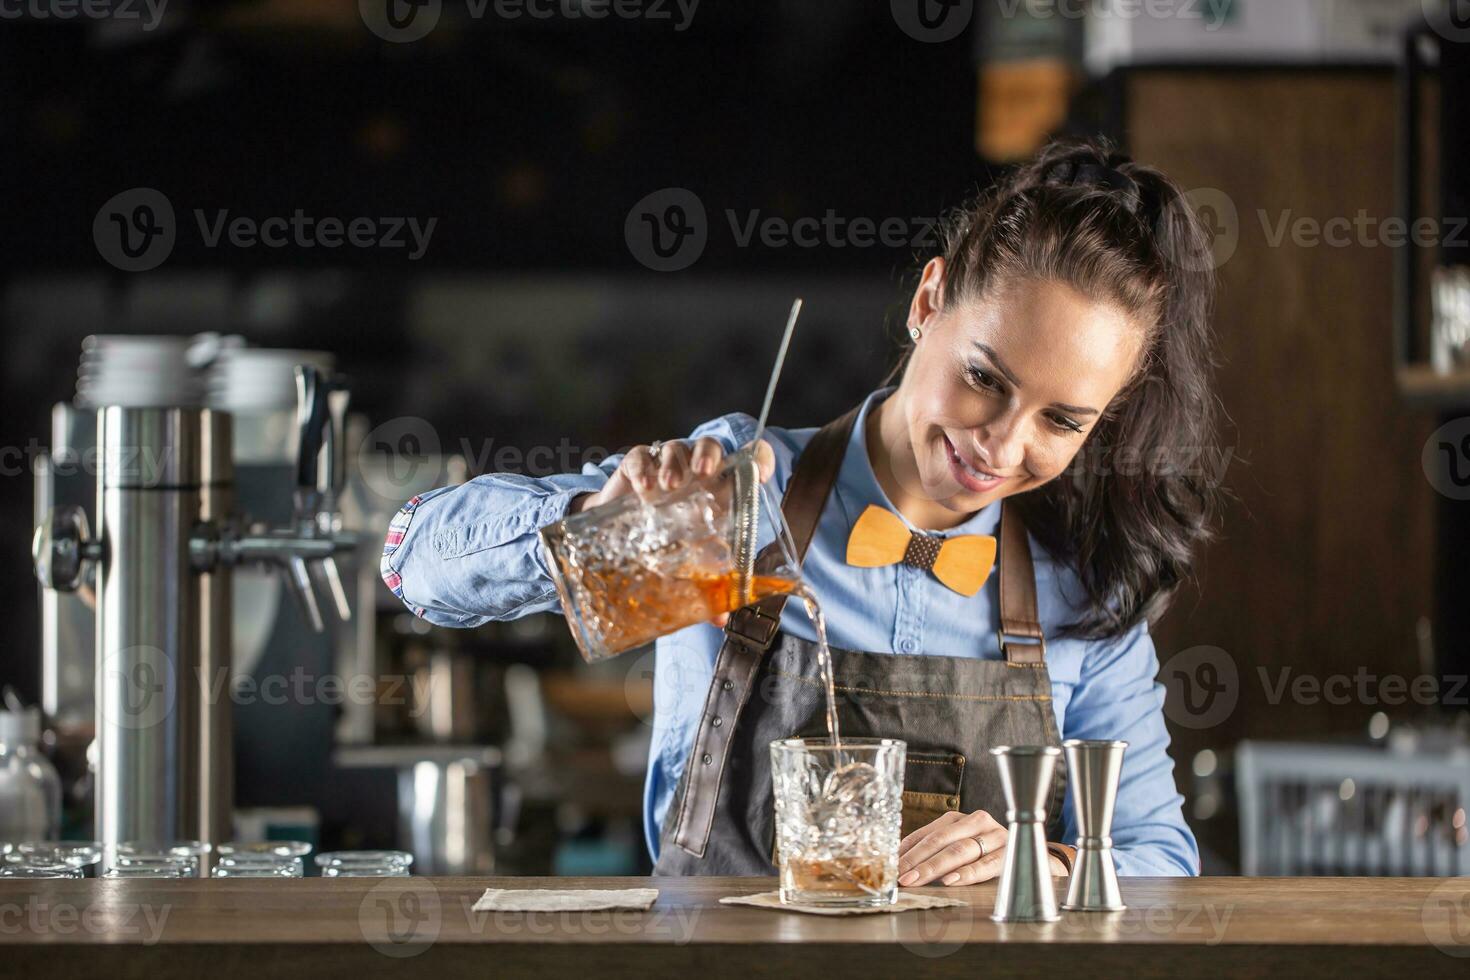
(1093, 769)
(1026, 890)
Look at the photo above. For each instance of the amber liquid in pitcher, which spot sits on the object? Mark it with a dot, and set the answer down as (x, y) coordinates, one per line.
(631, 605)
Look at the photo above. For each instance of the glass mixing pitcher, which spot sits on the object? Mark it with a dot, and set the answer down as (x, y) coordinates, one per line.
(633, 570)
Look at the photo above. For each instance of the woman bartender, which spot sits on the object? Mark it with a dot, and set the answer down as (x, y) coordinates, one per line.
(1055, 394)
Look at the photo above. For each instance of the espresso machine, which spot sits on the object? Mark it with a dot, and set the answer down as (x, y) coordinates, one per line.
(157, 569)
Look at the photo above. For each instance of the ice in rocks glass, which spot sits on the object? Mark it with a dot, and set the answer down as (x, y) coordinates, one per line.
(838, 813)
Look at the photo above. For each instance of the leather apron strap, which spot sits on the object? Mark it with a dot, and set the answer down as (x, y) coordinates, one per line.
(1021, 637)
(753, 629)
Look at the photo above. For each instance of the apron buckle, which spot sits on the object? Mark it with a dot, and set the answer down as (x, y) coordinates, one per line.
(754, 625)
(1018, 653)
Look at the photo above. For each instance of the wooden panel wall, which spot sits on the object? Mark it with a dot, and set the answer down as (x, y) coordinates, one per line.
(1325, 564)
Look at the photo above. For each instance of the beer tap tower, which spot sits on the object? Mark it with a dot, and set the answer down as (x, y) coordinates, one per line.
(167, 538)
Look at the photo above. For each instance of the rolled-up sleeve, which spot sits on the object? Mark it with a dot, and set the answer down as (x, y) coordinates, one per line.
(469, 554)
(1117, 697)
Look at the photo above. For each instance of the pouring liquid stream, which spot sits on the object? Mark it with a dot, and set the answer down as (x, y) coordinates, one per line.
(824, 659)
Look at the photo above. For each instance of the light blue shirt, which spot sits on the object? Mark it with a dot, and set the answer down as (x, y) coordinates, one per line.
(465, 555)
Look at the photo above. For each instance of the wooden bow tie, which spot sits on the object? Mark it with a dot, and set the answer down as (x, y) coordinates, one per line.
(880, 538)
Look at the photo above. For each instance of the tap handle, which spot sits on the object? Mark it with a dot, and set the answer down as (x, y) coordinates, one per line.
(298, 583)
(321, 419)
(326, 578)
(311, 426)
(337, 401)
(62, 548)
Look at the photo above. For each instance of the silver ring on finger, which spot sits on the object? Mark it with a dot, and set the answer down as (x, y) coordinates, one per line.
(656, 449)
(980, 839)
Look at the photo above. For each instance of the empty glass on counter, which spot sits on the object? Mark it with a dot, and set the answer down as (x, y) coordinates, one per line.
(33, 871)
(142, 856)
(364, 864)
(258, 866)
(838, 813)
(273, 848)
(261, 859)
(159, 870)
(79, 854)
(631, 570)
(48, 859)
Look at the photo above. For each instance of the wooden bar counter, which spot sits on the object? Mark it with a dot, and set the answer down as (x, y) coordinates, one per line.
(360, 928)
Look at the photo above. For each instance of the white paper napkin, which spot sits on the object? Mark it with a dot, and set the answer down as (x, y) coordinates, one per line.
(906, 901)
(564, 899)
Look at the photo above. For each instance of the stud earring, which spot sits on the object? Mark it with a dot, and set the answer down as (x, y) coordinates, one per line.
(915, 333)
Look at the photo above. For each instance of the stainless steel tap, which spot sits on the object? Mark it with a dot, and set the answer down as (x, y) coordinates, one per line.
(305, 552)
(166, 540)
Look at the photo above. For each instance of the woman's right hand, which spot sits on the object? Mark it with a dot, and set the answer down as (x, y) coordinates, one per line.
(677, 462)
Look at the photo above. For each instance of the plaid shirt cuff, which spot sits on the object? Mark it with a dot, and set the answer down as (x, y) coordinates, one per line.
(397, 529)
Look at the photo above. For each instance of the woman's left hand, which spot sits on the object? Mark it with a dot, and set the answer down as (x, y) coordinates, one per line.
(957, 849)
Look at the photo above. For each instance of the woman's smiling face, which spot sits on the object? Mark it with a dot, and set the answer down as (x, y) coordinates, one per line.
(1001, 391)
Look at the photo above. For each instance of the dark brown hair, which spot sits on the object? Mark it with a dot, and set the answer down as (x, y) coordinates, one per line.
(1131, 511)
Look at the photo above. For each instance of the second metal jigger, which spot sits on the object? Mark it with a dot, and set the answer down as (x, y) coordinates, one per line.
(1093, 769)
(1026, 893)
